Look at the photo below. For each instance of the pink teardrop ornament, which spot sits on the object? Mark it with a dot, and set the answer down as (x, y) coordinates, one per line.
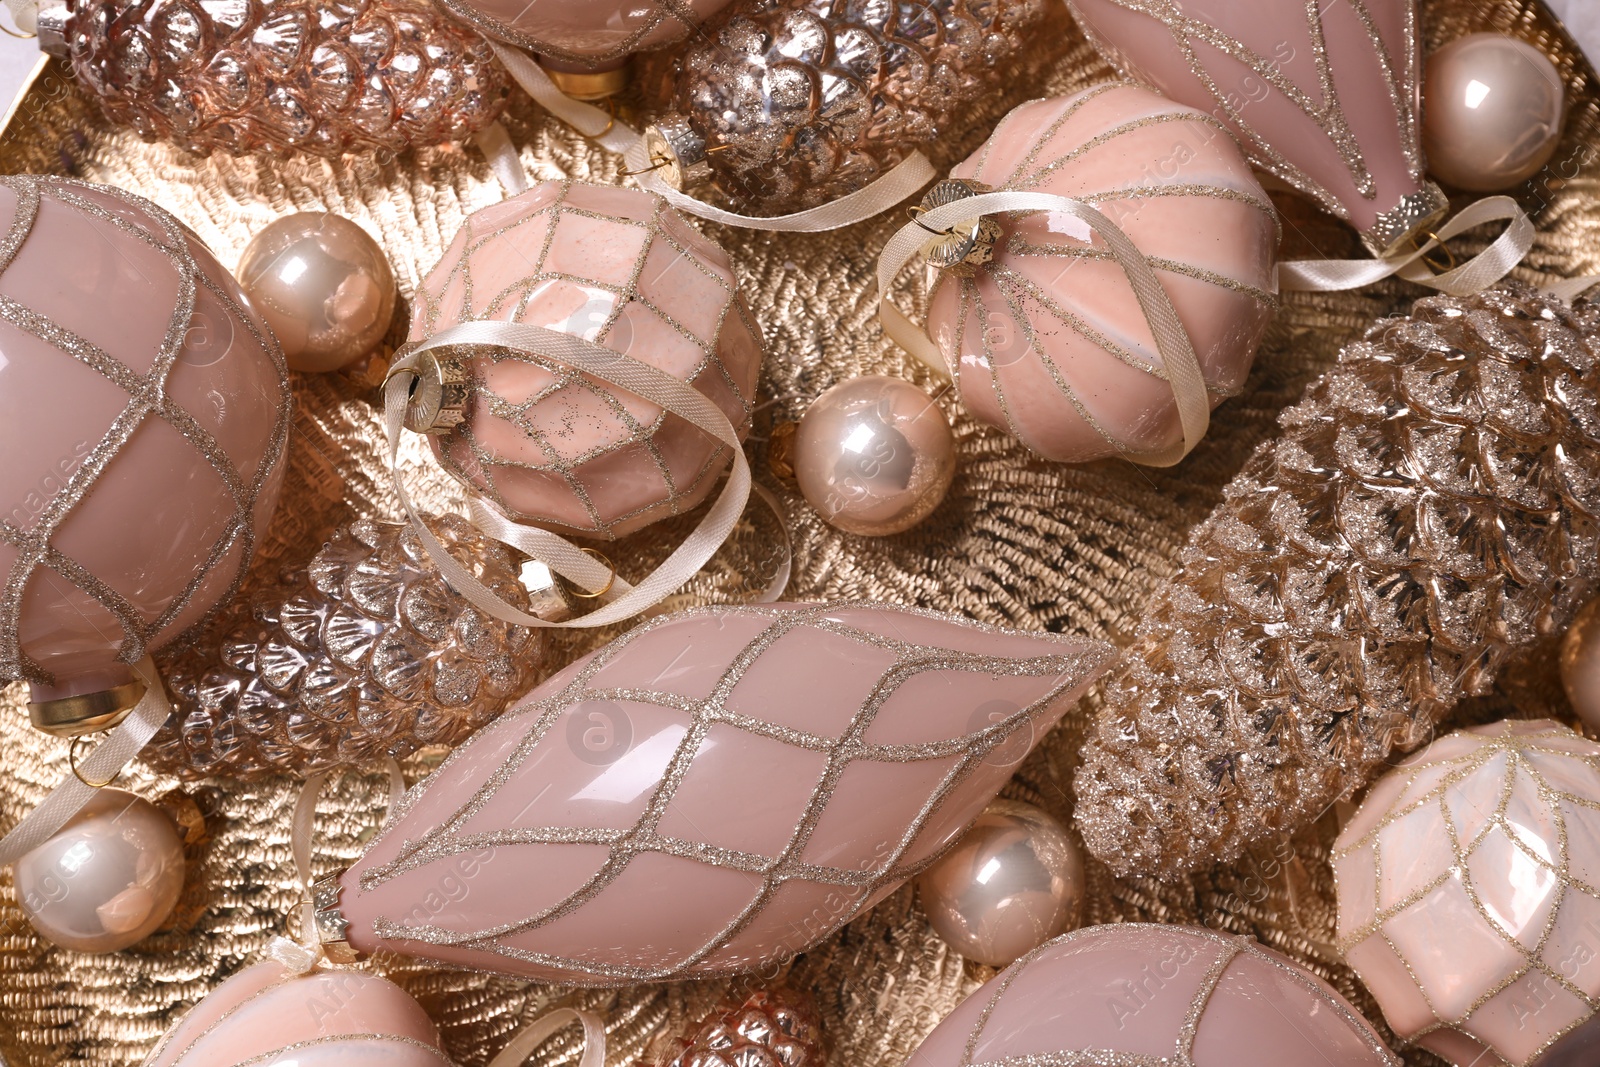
(712, 791)
(327, 1018)
(1327, 96)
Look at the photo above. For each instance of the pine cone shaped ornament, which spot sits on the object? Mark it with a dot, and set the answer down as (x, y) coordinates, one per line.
(772, 1028)
(1430, 508)
(364, 653)
(281, 75)
(793, 103)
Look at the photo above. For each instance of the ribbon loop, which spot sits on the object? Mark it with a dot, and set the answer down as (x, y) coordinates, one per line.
(536, 1033)
(1177, 356)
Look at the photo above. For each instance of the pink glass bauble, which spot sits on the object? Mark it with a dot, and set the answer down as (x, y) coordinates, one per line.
(1048, 340)
(1492, 111)
(711, 792)
(1013, 881)
(144, 411)
(874, 455)
(1139, 994)
(327, 1018)
(1325, 96)
(587, 33)
(107, 879)
(618, 267)
(1469, 896)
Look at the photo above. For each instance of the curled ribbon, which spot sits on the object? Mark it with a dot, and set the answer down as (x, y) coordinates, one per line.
(904, 180)
(623, 600)
(1178, 363)
(536, 1033)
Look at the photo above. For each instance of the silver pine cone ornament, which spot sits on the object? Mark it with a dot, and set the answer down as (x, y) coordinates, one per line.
(322, 76)
(793, 103)
(364, 653)
(1429, 509)
(771, 1028)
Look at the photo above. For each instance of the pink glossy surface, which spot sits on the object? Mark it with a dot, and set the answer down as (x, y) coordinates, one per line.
(620, 268)
(536, 876)
(159, 507)
(1123, 992)
(1453, 882)
(329, 1018)
(1259, 111)
(1013, 384)
(597, 28)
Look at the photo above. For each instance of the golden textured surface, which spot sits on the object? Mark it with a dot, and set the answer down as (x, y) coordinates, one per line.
(1018, 541)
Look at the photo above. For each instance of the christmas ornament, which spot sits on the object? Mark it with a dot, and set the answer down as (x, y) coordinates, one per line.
(145, 411)
(1492, 110)
(546, 443)
(789, 104)
(280, 75)
(709, 793)
(323, 285)
(265, 1014)
(1013, 881)
(874, 455)
(105, 880)
(1137, 994)
(1468, 900)
(1430, 508)
(1324, 96)
(366, 653)
(1038, 320)
(1580, 665)
(771, 1028)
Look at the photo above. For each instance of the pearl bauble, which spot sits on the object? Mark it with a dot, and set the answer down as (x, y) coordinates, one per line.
(1012, 883)
(105, 880)
(323, 285)
(1491, 112)
(1580, 665)
(874, 455)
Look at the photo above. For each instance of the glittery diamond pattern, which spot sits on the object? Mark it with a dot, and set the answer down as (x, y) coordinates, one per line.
(712, 791)
(622, 269)
(1469, 892)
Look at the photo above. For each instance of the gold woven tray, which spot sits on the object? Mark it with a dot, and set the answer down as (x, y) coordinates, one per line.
(1019, 541)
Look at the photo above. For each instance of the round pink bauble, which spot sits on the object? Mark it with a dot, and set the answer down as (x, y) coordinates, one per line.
(328, 1018)
(618, 267)
(1326, 95)
(1136, 994)
(1048, 340)
(1492, 112)
(1469, 896)
(144, 411)
(592, 33)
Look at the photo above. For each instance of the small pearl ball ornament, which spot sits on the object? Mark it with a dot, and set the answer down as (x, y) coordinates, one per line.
(1012, 883)
(105, 880)
(874, 455)
(1491, 113)
(323, 285)
(1580, 665)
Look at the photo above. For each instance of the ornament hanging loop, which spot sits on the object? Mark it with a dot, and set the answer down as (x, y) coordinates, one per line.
(72, 761)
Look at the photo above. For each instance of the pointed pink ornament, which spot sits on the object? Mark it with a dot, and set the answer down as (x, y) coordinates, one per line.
(713, 791)
(1327, 96)
(327, 1018)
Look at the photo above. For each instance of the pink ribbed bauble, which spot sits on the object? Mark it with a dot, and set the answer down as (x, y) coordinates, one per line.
(1469, 896)
(618, 267)
(587, 33)
(1327, 96)
(328, 1018)
(1048, 340)
(1138, 995)
(709, 793)
(144, 411)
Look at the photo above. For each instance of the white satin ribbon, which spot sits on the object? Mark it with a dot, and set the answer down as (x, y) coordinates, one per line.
(103, 764)
(536, 1033)
(1475, 275)
(25, 13)
(562, 556)
(1178, 360)
(606, 130)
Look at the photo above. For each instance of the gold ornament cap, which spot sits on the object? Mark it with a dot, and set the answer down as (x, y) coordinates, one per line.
(588, 85)
(332, 927)
(440, 388)
(962, 249)
(1407, 222)
(51, 26)
(679, 152)
(549, 595)
(86, 713)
